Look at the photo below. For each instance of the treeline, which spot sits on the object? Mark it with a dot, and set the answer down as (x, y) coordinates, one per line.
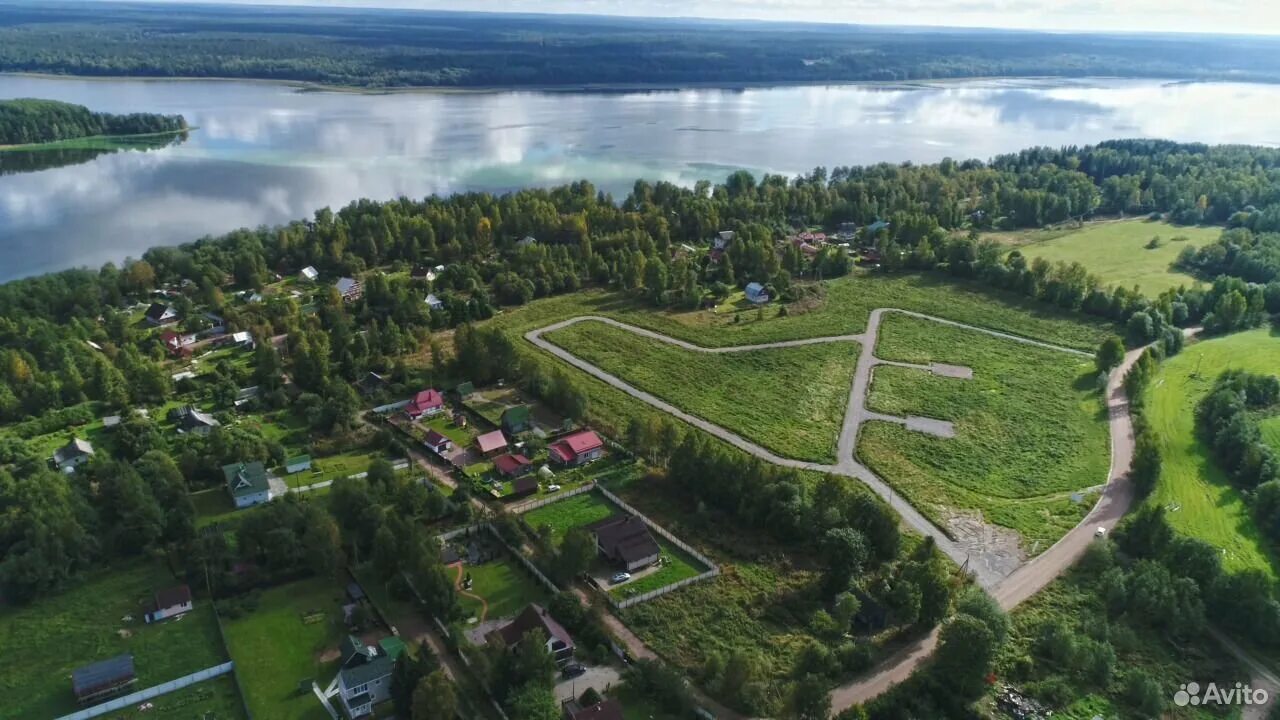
(1229, 420)
(26, 121)
(397, 48)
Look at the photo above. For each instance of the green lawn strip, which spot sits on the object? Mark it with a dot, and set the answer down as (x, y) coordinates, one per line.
(844, 310)
(275, 649)
(1201, 501)
(507, 587)
(790, 400)
(1117, 252)
(332, 467)
(1072, 600)
(46, 641)
(213, 506)
(215, 699)
(565, 515)
(677, 565)
(461, 436)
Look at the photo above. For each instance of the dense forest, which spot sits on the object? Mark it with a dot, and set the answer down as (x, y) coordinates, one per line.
(384, 48)
(27, 121)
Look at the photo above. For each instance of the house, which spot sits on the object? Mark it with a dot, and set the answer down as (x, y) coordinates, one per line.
(516, 420)
(491, 443)
(170, 602)
(243, 340)
(513, 465)
(604, 710)
(309, 274)
(521, 487)
(297, 464)
(526, 241)
(190, 419)
(111, 421)
(434, 302)
(625, 541)
(579, 448)
(464, 390)
(100, 680)
(177, 344)
(425, 404)
(459, 419)
(364, 680)
(349, 288)
(535, 617)
(422, 272)
(756, 294)
(371, 383)
(437, 443)
(244, 396)
(723, 240)
(72, 455)
(248, 483)
(161, 314)
(848, 232)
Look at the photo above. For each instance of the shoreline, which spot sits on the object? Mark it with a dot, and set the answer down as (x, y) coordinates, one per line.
(610, 88)
(106, 141)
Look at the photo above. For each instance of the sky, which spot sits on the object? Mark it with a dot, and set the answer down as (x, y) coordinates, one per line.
(1257, 17)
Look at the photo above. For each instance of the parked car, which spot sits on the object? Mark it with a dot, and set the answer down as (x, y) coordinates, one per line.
(573, 670)
(553, 488)
(1100, 531)
(620, 577)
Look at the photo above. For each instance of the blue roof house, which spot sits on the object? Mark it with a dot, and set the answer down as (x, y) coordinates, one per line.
(756, 294)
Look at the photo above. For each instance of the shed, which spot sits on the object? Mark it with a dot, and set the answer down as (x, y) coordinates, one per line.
(756, 294)
(103, 679)
(297, 464)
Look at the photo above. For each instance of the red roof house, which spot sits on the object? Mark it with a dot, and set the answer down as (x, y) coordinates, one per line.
(437, 443)
(425, 403)
(512, 465)
(577, 449)
(491, 443)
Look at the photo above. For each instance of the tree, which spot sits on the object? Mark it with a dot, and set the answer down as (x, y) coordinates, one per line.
(323, 541)
(809, 700)
(533, 702)
(845, 552)
(966, 650)
(577, 551)
(1110, 354)
(434, 698)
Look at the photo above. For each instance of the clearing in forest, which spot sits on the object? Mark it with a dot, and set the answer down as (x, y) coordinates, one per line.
(1119, 252)
(1030, 431)
(1200, 499)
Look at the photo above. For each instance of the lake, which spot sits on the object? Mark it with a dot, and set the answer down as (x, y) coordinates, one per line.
(267, 153)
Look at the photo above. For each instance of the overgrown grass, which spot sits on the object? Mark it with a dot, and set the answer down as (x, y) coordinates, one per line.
(1117, 252)
(507, 587)
(1030, 428)
(561, 517)
(790, 400)
(1201, 501)
(275, 648)
(44, 642)
(216, 699)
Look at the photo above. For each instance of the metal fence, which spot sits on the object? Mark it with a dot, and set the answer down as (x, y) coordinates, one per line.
(535, 504)
(152, 692)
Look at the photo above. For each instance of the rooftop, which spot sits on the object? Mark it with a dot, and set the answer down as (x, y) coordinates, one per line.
(491, 441)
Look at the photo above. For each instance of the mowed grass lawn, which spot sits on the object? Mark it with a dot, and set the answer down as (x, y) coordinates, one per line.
(1116, 250)
(789, 400)
(1201, 500)
(506, 586)
(677, 565)
(1030, 428)
(561, 517)
(45, 641)
(274, 648)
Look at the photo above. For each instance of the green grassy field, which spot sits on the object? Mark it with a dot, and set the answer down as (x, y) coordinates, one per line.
(790, 400)
(563, 516)
(213, 506)
(1201, 500)
(274, 649)
(1116, 251)
(44, 642)
(1030, 428)
(216, 699)
(507, 587)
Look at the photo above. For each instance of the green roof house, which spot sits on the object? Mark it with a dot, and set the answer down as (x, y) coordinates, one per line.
(516, 420)
(365, 677)
(248, 483)
(297, 464)
(464, 389)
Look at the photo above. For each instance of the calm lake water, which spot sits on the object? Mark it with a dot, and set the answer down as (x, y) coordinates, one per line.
(266, 154)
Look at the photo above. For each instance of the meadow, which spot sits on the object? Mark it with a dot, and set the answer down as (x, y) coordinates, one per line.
(1030, 428)
(1116, 250)
(1200, 499)
(275, 648)
(216, 699)
(45, 642)
(789, 400)
(561, 517)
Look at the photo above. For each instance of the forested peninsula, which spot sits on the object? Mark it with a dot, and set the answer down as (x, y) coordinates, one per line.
(28, 121)
(399, 48)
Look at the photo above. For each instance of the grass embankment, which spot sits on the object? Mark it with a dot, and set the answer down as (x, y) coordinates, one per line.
(280, 643)
(1030, 428)
(1116, 250)
(789, 400)
(44, 642)
(1201, 501)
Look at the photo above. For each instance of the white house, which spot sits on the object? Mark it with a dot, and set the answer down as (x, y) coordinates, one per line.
(73, 455)
(161, 314)
(297, 464)
(309, 274)
(248, 484)
(434, 302)
(365, 677)
(170, 602)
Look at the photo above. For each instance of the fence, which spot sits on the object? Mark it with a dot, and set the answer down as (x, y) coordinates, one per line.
(528, 564)
(535, 504)
(152, 692)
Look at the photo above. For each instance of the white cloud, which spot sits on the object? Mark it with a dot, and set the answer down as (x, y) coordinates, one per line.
(1225, 16)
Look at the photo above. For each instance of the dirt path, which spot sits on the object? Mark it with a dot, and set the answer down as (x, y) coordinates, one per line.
(1010, 586)
(457, 585)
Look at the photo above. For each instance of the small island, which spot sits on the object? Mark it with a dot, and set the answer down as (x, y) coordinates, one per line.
(27, 123)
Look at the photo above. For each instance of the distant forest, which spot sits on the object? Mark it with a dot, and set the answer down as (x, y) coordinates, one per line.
(27, 121)
(387, 48)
